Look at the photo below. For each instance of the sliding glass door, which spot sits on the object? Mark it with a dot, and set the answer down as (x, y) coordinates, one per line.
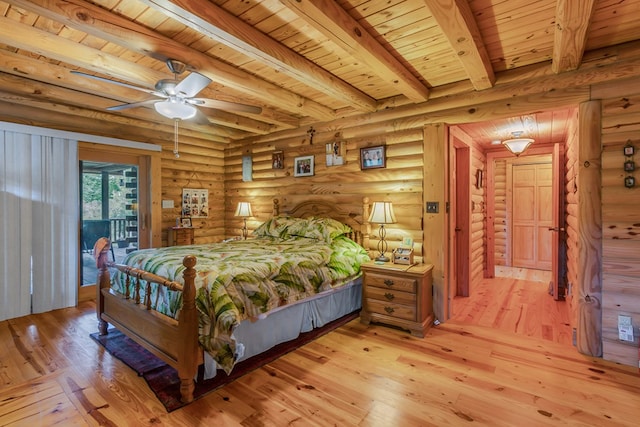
(109, 208)
(114, 203)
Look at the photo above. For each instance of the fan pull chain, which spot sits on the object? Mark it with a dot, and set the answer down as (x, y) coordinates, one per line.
(175, 139)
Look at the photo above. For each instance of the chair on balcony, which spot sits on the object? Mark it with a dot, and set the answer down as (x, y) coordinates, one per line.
(94, 229)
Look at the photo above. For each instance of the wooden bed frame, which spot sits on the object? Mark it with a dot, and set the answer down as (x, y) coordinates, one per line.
(176, 341)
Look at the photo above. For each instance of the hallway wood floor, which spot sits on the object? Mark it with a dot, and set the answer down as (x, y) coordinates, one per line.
(516, 301)
(53, 373)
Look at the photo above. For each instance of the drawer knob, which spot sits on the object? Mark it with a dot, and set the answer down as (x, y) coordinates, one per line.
(389, 296)
(388, 282)
(389, 310)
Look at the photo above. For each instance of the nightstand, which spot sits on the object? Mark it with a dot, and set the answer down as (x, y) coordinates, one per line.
(180, 236)
(398, 295)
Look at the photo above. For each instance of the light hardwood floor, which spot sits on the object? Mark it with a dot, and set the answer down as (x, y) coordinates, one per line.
(52, 373)
(517, 300)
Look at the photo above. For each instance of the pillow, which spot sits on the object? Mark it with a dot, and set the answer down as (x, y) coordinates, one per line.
(273, 227)
(325, 229)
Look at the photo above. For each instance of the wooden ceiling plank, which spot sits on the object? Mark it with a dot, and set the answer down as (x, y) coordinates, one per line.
(332, 21)
(457, 22)
(570, 36)
(121, 125)
(116, 29)
(22, 65)
(220, 25)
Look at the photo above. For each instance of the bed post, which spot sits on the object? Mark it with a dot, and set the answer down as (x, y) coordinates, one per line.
(366, 226)
(101, 253)
(188, 348)
(276, 208)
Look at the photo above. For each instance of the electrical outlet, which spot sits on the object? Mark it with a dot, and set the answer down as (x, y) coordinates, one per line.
(432, 207)
(625, 328)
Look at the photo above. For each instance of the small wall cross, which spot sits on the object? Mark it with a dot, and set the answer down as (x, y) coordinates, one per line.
(311, 132)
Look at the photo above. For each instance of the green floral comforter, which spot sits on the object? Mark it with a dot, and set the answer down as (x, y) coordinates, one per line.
(245, 279)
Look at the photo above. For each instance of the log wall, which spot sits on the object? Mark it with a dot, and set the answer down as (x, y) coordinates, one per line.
(478, 214)
(345, 185)
(500, 213)
(571, 218)
(200, 165)
(620, 218)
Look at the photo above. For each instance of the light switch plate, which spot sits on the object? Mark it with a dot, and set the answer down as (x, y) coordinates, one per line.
(625, 328)
(432, 207)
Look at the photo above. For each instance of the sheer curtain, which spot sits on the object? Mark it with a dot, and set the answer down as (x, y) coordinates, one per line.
(38, 222)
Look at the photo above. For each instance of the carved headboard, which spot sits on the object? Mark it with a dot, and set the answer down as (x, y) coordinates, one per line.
(321, 208)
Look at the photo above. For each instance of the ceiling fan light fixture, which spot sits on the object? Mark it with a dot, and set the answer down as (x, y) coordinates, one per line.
(516, 144)
(176, 110)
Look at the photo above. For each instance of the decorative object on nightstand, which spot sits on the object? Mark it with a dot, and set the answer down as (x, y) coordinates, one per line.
(398, 295)
(244, 210)
(382, 213)
(404, 253)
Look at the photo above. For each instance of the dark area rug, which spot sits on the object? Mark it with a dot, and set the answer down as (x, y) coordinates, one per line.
(163, 379)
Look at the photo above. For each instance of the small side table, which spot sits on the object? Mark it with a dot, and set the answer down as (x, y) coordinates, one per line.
(398, 295)
(180, 236)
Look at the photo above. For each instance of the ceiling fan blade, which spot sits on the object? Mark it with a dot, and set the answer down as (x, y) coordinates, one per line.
(192, 84)
(115, 82)
(225, 105)
(201, 118)
(148, 102)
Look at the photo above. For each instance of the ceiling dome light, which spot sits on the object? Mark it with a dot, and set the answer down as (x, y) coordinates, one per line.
(175, 109)
(517, 145)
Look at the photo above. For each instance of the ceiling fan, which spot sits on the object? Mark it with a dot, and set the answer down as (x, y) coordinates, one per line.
(177, 98)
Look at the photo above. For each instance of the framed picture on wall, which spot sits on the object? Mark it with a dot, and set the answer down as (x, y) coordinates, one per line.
(373, 157)
(195, 202)
(277, 160)
(334, 152)
(303, 166)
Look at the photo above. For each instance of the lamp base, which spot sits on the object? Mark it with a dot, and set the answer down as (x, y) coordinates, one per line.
(382, 258)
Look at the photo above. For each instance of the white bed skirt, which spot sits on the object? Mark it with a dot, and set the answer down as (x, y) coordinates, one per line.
(286, 323)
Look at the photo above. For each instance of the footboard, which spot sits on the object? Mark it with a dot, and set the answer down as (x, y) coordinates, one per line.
(174, 341)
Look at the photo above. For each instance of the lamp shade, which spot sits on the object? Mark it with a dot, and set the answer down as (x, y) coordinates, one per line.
(244, 209)
(382, 213)
(175, 109)
(517, 145)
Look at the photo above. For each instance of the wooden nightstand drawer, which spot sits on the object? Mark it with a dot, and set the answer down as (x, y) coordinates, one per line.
(389, 295)
(398, 311)
(391, 282)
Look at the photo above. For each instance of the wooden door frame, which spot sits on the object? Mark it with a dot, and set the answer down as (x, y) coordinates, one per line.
(148, 202)
(492, 156)
(558, 249)
(460, 217)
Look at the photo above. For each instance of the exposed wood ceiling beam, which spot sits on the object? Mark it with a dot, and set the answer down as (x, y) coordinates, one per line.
(334, 22)
(570, 37)
(456, 21)
(98, 22)
(218, 24)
